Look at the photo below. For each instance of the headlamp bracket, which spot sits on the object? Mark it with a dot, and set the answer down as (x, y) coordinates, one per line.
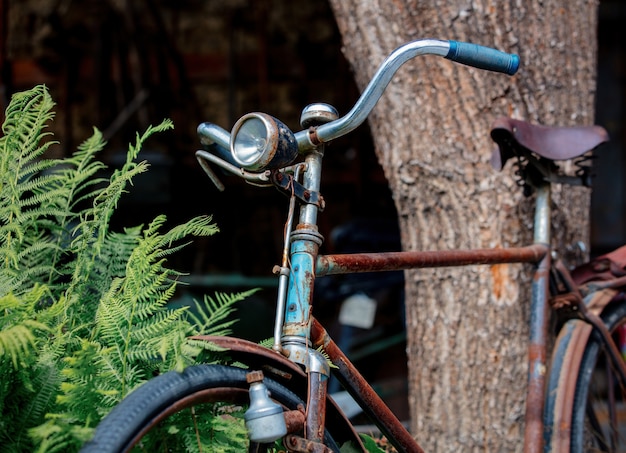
(288, 185)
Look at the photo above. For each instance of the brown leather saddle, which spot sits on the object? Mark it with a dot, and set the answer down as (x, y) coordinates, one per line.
(517, 137)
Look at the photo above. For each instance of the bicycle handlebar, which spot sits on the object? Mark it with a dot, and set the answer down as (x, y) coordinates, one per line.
(461, 52)
(483, 57)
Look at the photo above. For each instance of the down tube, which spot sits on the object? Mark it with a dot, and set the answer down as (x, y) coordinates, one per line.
(363, 393)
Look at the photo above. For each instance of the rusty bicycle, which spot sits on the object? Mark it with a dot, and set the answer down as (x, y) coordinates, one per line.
(280, 393)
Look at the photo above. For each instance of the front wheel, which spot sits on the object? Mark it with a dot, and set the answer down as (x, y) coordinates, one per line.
(585, 410)
(200, 409)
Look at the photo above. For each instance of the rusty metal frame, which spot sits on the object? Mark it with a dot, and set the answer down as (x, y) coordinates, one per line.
(539, 254)
(297, 335)
(393, 261)
(292, 376)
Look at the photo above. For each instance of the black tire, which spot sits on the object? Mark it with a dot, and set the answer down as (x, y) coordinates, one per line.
(599, 393)
(180, 401)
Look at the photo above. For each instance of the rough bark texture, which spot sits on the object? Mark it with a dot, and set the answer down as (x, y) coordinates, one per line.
(467, 333)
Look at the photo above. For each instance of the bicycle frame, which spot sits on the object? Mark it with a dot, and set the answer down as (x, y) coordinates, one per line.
(574, 401)
(300, 336)
(297, 335)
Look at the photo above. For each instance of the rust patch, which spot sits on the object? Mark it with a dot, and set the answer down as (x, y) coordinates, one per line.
(499, 279)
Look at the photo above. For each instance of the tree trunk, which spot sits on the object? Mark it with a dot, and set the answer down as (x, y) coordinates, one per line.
(467, 328)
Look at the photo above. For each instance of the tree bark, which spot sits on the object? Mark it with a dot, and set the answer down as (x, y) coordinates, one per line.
(467, 328)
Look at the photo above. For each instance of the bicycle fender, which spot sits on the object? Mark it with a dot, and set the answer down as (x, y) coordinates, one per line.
(568, 350)
(287, 373)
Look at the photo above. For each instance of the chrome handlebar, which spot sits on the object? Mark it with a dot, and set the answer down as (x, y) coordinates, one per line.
(461, 52)
(466, 53)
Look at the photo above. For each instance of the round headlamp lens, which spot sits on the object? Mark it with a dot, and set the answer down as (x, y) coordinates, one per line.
(260, 141)
(250, 142)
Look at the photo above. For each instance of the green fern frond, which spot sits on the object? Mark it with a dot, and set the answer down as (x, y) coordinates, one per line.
(196, 227)
(84, 311)
(35, 247)
(111, 314)
(16, 342)
(213, 314)
(18, 325)
(21, 145)
(195, 347)
(89, 190)
(79, 172)
(153, 300)
(26, 116)
(163, 344)
(145, 331)
(28, 189)
(267, 343)
(52, 437)
(94, 221)
(29, 169)
(81, 379)
(116, 251)
(46, 198)
(90, 234)
(45, 386)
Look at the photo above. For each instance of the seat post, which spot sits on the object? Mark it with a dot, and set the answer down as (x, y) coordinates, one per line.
(539, 317)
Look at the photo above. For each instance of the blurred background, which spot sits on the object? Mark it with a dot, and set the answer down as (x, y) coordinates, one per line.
(121, 65)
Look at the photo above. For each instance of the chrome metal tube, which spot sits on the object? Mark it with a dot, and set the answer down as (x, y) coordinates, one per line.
(542, 215)
(283, 280)
(210, 134)
(373, 91)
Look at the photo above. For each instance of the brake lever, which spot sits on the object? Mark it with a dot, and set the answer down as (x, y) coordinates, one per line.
(257, 179)
(208, 170)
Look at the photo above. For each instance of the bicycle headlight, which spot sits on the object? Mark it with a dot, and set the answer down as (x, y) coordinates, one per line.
(260, 141)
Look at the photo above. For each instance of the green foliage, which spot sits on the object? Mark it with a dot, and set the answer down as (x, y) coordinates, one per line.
(370, 444)
(84, 309)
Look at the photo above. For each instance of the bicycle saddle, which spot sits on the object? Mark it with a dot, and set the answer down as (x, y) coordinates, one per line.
(518, 137)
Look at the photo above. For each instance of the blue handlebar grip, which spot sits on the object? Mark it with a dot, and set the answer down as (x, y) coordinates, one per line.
(483, 57)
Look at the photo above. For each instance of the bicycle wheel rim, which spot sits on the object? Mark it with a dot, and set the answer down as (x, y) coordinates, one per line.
(599, 413)
(236, 396)
(142, 413)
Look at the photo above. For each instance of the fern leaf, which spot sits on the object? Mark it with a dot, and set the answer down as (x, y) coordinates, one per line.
(198, 227)
(152, 331)
(84, 311)
(46, 382)
(213, 314)
(15, 342)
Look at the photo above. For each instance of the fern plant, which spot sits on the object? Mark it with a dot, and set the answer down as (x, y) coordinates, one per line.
(84, 314)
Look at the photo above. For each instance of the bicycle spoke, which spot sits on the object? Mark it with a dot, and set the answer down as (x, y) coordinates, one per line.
(605, 406)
